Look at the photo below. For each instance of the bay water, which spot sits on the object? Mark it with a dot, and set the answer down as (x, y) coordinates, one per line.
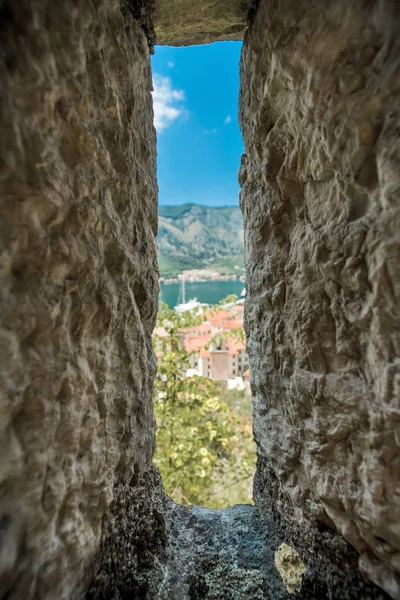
(209, 292)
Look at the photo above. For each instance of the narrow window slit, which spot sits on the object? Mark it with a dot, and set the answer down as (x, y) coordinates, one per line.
(205, 449)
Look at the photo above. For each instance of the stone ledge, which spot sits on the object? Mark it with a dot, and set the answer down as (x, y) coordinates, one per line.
(231, 553)
(179, 23)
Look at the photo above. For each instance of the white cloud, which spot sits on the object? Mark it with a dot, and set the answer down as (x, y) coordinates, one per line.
(228, 120)
(166, 102)
(170, 64)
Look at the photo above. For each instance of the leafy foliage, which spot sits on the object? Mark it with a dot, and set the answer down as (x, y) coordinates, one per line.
(200, 440)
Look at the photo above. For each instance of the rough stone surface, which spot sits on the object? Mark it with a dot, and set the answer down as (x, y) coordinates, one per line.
(320, 195)
(78, 286)
(134, 536)
(183, 23)
(82, 510)
(230, 554)
(331, 563)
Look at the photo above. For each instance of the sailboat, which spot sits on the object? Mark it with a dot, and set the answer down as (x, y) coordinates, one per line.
(186, 306)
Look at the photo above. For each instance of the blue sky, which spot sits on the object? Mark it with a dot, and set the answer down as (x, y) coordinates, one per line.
(199, 141)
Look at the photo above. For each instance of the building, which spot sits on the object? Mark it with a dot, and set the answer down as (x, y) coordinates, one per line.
(216, 349)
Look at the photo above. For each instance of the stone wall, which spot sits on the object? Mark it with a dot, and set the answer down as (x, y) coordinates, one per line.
(78, 289)
(183, 23)
(80, 500)
(320, 178)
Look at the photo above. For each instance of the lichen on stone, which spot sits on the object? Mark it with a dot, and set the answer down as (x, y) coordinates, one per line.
(290, 567)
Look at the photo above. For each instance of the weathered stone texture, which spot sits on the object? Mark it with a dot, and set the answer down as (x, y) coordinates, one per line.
(80, 501)
(320, 92)
(231, 554)
(183, 23)
(78, 284)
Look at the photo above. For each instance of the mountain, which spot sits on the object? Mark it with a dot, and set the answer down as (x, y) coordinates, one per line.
(192, 236)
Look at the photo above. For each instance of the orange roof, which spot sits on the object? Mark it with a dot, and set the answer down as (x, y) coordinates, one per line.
(246, 373)
(202, 328)
(234, 346)
(231, 324)
(220, 316)
(238, 308)
(195, 343)
(204, 353)
(235, 324)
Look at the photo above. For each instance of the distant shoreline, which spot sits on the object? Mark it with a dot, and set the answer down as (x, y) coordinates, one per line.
(205, 292)
(194, 279)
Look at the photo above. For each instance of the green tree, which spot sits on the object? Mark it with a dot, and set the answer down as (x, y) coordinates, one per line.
(201, 442)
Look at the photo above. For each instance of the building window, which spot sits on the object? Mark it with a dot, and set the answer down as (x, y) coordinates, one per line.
(234, 371)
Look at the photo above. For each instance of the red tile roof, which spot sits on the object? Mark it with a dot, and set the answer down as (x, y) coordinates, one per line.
(234, 324)
(195, 343)
(197, 329)
(234, 346)
(238, 308)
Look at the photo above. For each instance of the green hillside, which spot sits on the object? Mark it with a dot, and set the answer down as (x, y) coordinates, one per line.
(191, 236)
